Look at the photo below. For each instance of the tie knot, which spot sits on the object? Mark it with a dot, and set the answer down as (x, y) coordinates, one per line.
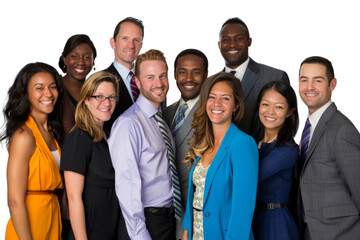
(131, 74)
(233, 72)
(183, 108)
(307, 123)
(158, 116)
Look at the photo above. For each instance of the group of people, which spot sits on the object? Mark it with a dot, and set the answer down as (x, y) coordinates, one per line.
(103, 157)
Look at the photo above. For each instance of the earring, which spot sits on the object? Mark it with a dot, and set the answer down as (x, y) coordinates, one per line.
(94, 68)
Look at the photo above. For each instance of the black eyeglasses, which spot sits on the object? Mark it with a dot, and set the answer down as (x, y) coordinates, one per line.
(102, 98)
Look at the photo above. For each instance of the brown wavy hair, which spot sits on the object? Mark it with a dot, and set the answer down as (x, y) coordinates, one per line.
(83, 117)
(203, 137)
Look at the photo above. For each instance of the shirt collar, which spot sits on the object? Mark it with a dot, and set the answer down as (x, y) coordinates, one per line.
(315, 116)
(240, 70)
(146, 106)
(123, 71)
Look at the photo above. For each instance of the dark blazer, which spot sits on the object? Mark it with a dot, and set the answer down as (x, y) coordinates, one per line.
(255, 77)
(125, 100)
(182, 147)
(330, 179)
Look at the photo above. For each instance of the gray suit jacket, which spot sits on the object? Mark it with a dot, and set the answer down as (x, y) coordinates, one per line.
(255, 77)
(330, 179)
(181, 140)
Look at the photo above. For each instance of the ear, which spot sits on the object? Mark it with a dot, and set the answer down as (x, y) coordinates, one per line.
(249, 41)
(219, 44)
(291, 111)
(112, 43)
(86, 101)
(333, 84)
(236, 108)
(137, 81)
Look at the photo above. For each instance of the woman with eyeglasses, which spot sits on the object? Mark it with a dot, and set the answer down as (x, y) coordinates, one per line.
(88, 171)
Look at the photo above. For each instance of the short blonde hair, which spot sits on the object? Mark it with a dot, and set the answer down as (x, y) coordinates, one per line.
(152, 54)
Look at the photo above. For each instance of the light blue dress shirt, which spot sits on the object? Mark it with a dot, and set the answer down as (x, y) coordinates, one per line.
(124, 74)
(142, 169)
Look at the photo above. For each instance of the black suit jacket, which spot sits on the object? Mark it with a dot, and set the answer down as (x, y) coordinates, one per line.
(255, 77)
(125, 100)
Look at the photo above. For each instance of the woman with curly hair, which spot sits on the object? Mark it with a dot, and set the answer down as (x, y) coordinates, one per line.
(33, 131)
(224, 165)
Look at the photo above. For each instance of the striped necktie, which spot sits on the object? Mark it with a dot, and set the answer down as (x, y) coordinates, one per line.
(305, 141)
(179, 119)
(175, 179)
(134, 89)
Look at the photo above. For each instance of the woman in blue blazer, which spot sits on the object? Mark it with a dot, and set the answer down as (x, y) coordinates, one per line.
(224, 165)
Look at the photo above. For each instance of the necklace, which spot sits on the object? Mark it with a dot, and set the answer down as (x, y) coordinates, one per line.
(272, 140)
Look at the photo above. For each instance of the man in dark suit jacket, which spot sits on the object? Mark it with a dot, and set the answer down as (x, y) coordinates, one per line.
(234, 43)
(126, 42)
(330, 159)
(191, 69)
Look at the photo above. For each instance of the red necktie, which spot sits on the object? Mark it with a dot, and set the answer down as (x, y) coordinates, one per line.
(134, 89)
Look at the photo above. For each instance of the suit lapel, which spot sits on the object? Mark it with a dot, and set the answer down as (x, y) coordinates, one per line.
(219, 157)
(250, 77)
(320, 129)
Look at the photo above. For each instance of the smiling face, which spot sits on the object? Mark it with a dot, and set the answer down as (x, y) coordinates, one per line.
(42, 93)
(273, 110)
(314, 87)
(127, 44)
(190, 75)
(79, 62)
(153, 81)
(220, 104)
(101, 111)
(234, 44)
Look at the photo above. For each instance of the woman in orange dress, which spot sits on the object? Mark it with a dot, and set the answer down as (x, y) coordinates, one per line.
(33, 132)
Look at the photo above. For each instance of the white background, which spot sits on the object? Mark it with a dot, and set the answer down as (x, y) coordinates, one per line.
(283, 32)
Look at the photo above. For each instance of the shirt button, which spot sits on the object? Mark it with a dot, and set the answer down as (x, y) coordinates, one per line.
(207, 214)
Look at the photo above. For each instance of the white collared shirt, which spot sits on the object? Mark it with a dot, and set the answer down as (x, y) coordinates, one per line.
(315, 117)
(240, 70)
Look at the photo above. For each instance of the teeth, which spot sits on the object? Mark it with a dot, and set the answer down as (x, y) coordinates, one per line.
(270, 119)
(310, 94)
(79, 70)
(46, 102)
(188, 87)
(233, 51)
(214, 111)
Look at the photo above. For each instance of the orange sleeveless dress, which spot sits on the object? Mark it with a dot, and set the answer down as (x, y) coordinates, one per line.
(42, 205)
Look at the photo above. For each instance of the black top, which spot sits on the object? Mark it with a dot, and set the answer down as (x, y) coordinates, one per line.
(92, 160)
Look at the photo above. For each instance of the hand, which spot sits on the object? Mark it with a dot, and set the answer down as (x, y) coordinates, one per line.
(185, 235)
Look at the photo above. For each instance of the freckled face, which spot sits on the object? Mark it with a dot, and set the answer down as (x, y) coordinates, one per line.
(101, 111)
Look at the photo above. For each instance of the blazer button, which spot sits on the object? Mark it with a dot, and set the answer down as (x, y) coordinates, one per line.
(207, 214)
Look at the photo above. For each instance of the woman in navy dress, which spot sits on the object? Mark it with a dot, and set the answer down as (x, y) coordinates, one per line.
(278, 154)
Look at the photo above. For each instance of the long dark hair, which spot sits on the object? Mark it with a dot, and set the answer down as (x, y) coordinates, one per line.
(18, 107)
(291, 124)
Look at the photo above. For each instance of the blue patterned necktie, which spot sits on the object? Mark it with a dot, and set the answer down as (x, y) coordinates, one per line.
(179, 119)
(175, 179)
(134, 89)
(305, 140)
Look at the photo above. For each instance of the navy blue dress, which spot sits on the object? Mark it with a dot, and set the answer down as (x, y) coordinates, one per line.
(275, 179)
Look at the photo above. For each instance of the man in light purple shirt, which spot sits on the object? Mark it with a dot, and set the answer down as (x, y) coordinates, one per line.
(143, 178)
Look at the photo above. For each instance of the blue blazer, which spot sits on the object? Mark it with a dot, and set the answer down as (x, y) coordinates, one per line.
(230, 189)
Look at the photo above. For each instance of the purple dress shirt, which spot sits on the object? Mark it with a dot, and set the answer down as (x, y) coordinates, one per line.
(142, 168)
